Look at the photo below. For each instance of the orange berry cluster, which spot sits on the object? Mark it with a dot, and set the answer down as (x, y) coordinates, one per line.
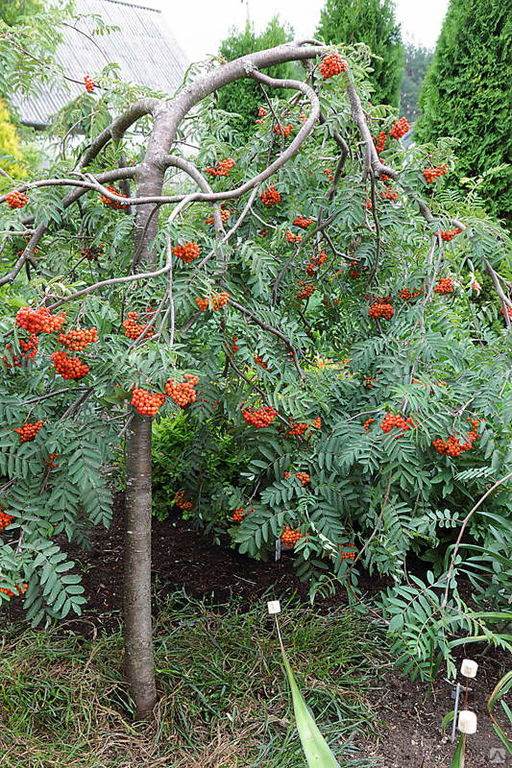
(368, 422)
(259, 417)
(444, 285)
(380, 141)
(28, 431)
(453, 446)
(449, 234)
(388, 194)
(270, 196)
(17, 200)
(406, 294)
(217, 301)
(383, 309)
(300, 427)
(147, 403)
(113, 203)
(69, 367)
(239, 514)
(224, 215)
(39, 320)
(315, 263)
(293, 238)
(328, 172)
(509, 313)
(187, 252)
(181, 502)
(431, 174)
(391, 421)
(234, 346)
(89, 84)
(283, 130)
(50, 461)
(262, 112)
(306, 291)
(28, 351)
(289, 537)
(348, 551)
(5, 520)
(183, 392)
(302, 222)
(20, 590)
(133, 329)
(92, 252)
(332, 65)
(78, 339)
(259, 361)
(304, 477)
(368, 382)
(400, 128)
(222, 168)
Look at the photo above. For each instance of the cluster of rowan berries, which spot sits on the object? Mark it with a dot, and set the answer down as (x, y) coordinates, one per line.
(283, 130)
(262, 112)
(315, 263)
(328, 172)
(380, 141)
(39, 320)
(17, 199)
(332, 65)
(92, 252)
(509, 313)
(306, 290)
(180, 500)
(259, 361)
(224, 215)
(20, 590)
(303, 222)
(388, 194)
(183, 392)
(5, 520)
(391, 421)
(383, 309)
(78, 339)
(216, 300)
(293, 238)
(69, 367)
(239, 514)
(449, 234)
(289, 537)
(147, 403)
(113, 203)
(222, 168)
(89, 84)
(133, 329)
(270, 196)
(300, 427)
(431, 174)
(234, 346)
(444, 285)
(259, 417)
(28, 431)
(368, 382)
(28, 350)
(368, 422)
(263, 232)
(453, 446)
(304, 477)
(400, 128)
(50, 461)
(407, 295)
(188, 252)
(348, 551)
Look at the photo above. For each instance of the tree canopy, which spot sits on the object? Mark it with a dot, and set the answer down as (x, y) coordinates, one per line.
(417, 60)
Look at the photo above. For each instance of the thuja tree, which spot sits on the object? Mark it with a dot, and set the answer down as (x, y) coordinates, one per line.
(301, 292)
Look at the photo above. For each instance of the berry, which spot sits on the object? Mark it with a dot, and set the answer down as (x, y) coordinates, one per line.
(407, 295)
(183, 392)
(444, 285)
(78, 339)
(16, 200)
(215, 301)
(69, 367)
(93, 252)
(328, 172)
(367, 424)
(283, 130)
(332, 65)
(133, 329)
(384, 309)
(188, 252)
(449, 234)
(293, 238)
(262, 112)
(28, 431)
(181, 502)
(380, 141)
(304, 477)
(5, 520)
(315, 263)
(391, 422)
(147, 403)
(431, 174)
(452, 446)
(270, 196)
(302, 222)
(259, 417)
(290, 537)
(89, 84)
(259, 361)
(400, 128)
(239, 514)
(28, 351)
(348, 551)
(224, 215)
(39, 320)
(222, 168)
(20, 589)
(113, 203)
(306, 291)
(300, 427)
(389, 194)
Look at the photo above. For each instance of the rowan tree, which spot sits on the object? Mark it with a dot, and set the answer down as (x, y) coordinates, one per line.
(300, 294)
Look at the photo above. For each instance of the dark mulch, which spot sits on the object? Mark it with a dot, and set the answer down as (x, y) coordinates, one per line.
(410, 713)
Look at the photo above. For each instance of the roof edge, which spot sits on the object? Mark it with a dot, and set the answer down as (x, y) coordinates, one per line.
(134, 5)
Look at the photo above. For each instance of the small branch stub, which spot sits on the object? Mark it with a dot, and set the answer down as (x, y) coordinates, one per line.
(274, 606)
(468, 668)
(467, 722)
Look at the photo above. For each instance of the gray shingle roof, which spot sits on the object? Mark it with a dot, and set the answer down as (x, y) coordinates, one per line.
(144, 48)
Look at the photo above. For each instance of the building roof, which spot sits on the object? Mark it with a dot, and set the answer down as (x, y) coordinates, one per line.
(144, 48)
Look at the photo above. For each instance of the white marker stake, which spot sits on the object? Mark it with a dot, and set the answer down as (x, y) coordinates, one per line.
(274, 606)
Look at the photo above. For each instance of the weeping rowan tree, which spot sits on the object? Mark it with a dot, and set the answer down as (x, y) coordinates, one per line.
(316, 296)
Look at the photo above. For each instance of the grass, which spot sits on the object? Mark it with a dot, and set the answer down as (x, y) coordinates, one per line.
(223, 704)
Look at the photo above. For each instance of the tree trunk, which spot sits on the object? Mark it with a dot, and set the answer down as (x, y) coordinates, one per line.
(138, 639)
